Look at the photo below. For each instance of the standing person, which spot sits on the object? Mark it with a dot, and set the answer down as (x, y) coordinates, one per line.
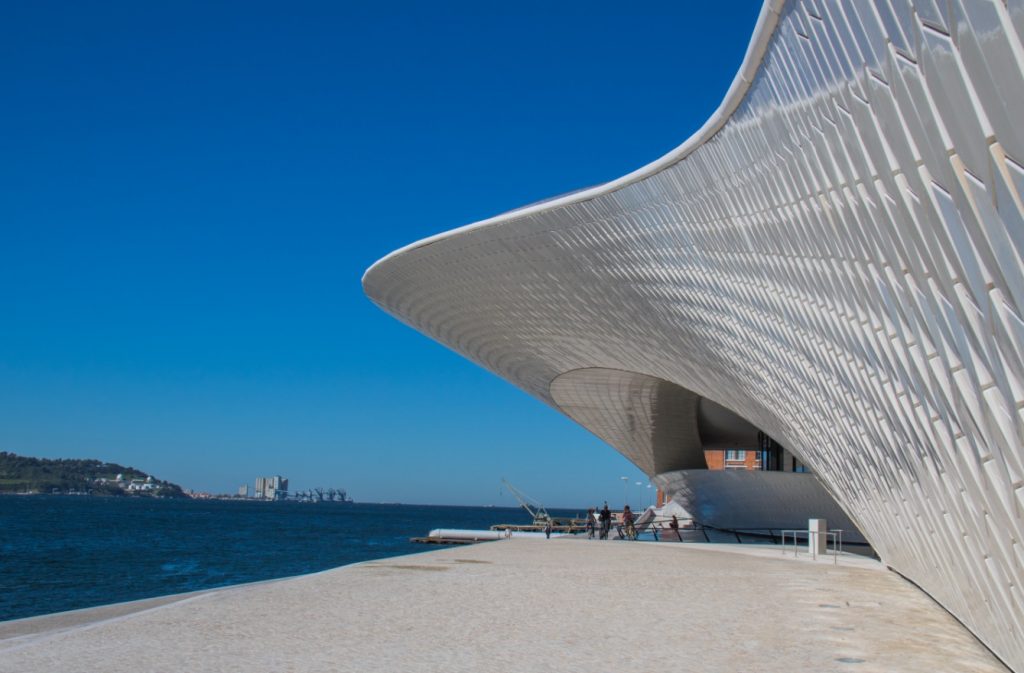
(547, 529)
(628, 532)
(606, 521)
(674, 525)
(591, 523)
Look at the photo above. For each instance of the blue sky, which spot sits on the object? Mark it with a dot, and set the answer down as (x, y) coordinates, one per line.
(190, 193)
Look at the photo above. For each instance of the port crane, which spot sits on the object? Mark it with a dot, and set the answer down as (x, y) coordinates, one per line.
(537, 511)
(322, 495)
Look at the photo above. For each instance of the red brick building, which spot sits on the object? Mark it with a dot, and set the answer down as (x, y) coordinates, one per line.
(733, 459)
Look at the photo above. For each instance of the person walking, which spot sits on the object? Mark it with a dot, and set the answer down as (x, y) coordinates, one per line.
(547, 529)
(606, 521)
(674, 525)
(591, 523)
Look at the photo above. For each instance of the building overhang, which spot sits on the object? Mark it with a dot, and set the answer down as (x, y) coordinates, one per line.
(836, 256)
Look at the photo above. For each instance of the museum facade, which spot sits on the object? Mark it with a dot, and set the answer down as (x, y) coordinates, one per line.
(836, 258)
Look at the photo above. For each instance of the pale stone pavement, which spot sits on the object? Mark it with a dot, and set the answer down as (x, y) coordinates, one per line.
(529, 606)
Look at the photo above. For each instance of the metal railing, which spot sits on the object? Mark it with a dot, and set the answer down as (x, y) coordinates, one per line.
(835, 535)
(660, 529)
(661, 526)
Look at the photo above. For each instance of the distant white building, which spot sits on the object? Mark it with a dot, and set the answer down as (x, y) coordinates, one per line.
(141, 484)
(271, 488)
(243, 490)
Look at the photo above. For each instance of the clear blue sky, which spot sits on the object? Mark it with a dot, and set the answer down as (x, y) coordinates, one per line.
(190, 193)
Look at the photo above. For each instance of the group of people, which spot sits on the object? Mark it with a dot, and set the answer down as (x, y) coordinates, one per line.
(599, 521)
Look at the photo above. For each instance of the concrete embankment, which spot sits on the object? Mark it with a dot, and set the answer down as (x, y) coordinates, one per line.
(525, 605)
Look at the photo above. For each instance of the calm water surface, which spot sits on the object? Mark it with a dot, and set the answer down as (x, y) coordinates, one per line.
(65, 552)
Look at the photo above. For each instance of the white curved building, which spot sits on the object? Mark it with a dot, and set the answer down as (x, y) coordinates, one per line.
(837, 256)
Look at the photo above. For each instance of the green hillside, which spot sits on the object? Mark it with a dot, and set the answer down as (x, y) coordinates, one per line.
(22, 474)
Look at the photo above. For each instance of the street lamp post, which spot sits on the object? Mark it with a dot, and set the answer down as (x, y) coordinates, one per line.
(640, 503)
(625, 490)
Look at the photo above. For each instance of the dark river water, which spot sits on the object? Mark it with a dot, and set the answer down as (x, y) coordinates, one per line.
(66, 552)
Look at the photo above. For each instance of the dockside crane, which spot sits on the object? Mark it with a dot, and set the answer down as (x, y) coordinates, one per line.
(537, 511)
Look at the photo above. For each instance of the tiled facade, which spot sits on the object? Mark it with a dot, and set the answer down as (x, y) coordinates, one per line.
(838, 257)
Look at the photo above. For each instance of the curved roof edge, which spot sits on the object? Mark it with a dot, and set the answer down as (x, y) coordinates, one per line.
(767, 20)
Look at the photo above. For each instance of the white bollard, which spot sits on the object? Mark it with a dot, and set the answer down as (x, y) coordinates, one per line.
(817, 536)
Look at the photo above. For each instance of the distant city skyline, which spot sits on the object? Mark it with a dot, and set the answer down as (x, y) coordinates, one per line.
(193, 192)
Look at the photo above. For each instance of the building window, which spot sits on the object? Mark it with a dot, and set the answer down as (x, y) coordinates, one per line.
(736, 454)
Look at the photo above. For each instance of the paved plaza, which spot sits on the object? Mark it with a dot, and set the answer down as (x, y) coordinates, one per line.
(527, 606)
